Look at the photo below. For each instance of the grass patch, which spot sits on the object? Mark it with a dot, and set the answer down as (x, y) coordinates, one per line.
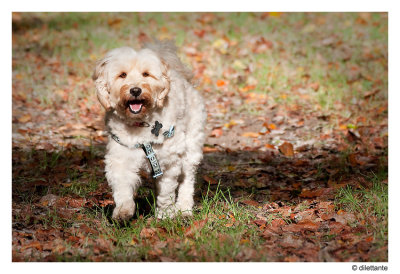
(218, 231)
(371, 203)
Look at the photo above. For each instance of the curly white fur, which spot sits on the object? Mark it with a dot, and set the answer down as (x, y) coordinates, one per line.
(168, 98)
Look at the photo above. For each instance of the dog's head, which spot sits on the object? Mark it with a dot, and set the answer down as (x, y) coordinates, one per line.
(133, 83)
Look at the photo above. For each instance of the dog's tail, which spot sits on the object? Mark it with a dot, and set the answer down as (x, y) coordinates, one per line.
(166, 50)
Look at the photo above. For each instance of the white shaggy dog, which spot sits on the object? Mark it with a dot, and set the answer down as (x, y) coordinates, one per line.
(142, 90)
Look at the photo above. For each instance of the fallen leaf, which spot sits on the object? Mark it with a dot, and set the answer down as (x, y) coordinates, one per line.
(269, 146)
(49, 200)
(309, 28)
(379, 142)
(290, 241)
(221, 45)
(340, 212)
(301, 162)
(250, 203)
(342, 127)
(287, 149)
(336, 185)
(34, 244)
(250, 134)
(274, 227)
(103, 244)
(275, 14)
(147, 233)
(231, 124)
(371, 93)
(314, 86)
(247, 254)
(209, 149)
(345, 218)
(260, 222)
(238, 64)
(200, 33)
(77, 203)
(166, 259)
(196, 226)
(382, 109)
(302, 225)
(210, 180)
(155, 252)
(247, 88)
(292, 258)
(355, 159)
(134, 241)
(263, 131)
(61, 95)
(369, 239)
(114, 22)
(88, 230)
(106, 202)
(221, 83)
(73, 239)
(262, 45)
(316, 193)
(24, 118)
(216, 133)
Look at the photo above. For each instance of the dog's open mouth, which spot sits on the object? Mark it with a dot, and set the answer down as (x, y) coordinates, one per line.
(135, 106)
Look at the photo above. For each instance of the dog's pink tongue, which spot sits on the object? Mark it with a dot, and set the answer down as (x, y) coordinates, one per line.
(136, 107)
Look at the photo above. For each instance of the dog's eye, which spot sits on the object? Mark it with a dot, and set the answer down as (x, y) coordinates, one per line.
(145, 74)
(122, 75)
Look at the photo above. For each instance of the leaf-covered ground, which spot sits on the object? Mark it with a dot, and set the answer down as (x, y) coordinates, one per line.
(296, 158)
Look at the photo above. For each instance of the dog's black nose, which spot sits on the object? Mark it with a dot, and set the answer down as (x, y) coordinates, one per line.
(135, 91)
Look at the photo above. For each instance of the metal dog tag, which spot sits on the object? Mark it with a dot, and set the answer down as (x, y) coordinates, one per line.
(156, 128)
(169, 133)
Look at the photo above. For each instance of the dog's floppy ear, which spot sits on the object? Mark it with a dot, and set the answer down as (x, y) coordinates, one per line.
(163, 93)
(103, 93)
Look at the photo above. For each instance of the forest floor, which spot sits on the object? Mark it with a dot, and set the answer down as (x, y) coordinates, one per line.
(295, 163)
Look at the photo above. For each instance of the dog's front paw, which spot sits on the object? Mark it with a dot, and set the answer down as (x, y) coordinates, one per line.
(185, 208)
(124, 211)
(165, 213)
(186, 213)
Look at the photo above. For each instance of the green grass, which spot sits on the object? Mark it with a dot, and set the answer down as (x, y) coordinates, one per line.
(49, 160)
(81, 186)
(225, 218)
(371, 203)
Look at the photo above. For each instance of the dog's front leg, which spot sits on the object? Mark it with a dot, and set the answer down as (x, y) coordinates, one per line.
(123, 183)
(166, 187)
(125, 205)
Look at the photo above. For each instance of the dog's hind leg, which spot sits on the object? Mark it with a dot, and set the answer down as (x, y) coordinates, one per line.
(190, 161)
(185, 201)
(193, 155)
